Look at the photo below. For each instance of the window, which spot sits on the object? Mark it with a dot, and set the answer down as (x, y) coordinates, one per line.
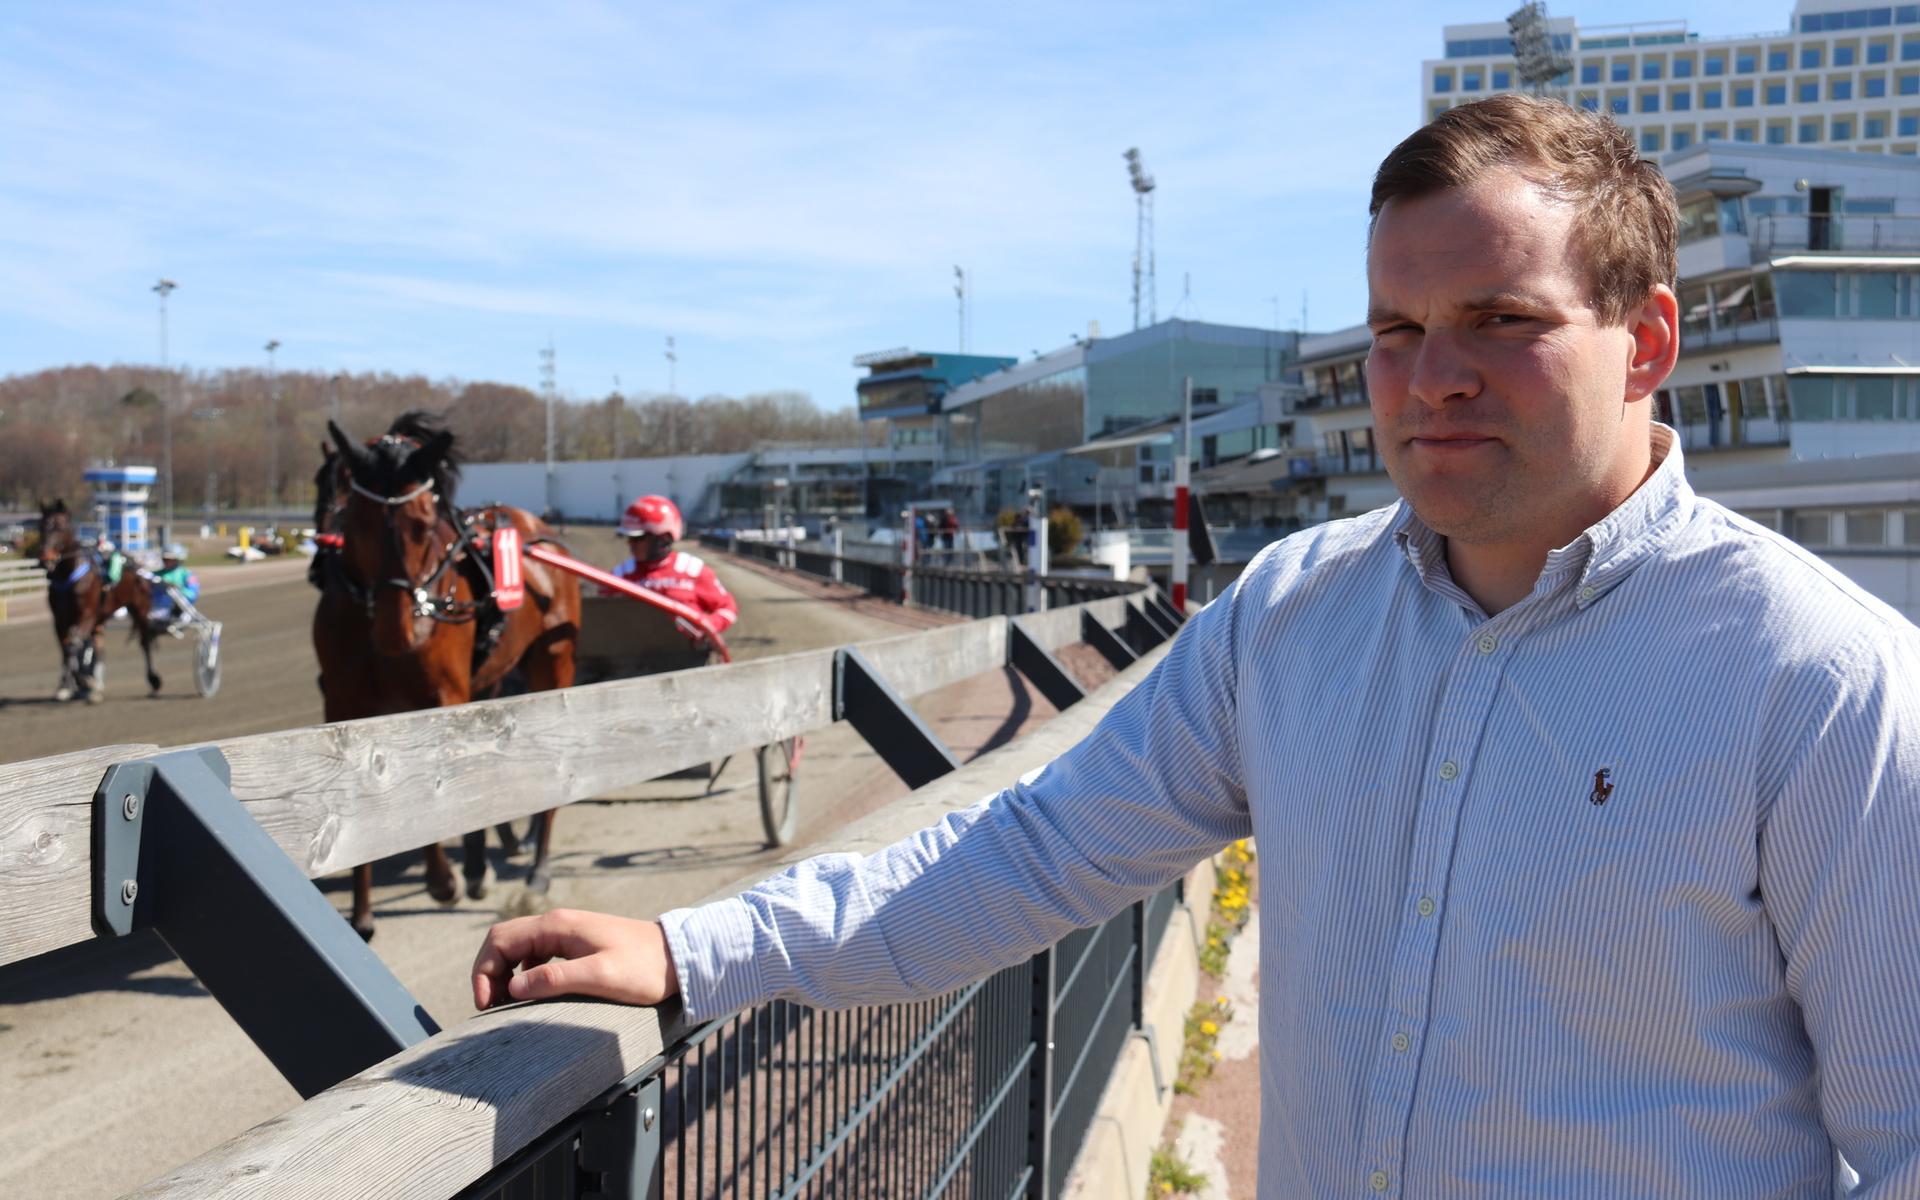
(1809, 131)
(1469, 81)
(1682, 138)
(1910, 51)
(1650, 142)
(1843, 56)
(1842, 129)
(1776, 93)
(1680, 101)
(1776, 60)
(1812, 529)
(1743, 96)
(1809, 91)
(1709, 97)
(1714, 133)
(1909, 125)
(1618, 106)
(1910, 526)
(1683, 68)
(1589, 72)
(1650, 102)
(1776, 135)
(1743, 133)
(1651, 69)
(1590, 102)
(1877, 52)
(1874, 127)
(1910, 85)
(1716, 64)
(1874, 296)
(1866, 527)
(1876, 86)
(1622, 72)
(1809, 58)
(1746, 62)
(1442, 82)
(1502, 80)
(1840, 89)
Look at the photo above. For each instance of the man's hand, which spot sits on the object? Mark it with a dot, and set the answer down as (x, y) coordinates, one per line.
(568, 953)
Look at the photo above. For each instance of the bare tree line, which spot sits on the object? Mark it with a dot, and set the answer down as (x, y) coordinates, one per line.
(242, 439)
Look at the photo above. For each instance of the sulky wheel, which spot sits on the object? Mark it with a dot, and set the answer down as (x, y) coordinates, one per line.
(206, 660)
(779, 789)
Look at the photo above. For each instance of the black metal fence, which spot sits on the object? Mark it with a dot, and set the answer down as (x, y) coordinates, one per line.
(950, 589)
(987, 1094)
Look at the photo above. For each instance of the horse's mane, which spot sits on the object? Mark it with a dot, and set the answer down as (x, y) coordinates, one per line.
(412, 428)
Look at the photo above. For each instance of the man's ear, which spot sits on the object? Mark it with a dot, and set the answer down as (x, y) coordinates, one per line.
(1655, 327)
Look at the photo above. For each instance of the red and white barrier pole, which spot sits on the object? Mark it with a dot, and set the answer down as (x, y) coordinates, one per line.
(1181, 461)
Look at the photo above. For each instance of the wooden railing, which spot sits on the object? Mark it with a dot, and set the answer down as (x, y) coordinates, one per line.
(448, 1110)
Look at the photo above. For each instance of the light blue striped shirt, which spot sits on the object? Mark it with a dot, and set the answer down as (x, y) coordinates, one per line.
(1613, 894)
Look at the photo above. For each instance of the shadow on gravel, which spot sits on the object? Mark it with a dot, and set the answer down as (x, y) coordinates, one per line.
(102, 965)
(683, 858)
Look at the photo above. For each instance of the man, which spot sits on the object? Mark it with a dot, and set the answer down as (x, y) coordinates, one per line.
(173, 578)
(1589, 811)
(651, 526)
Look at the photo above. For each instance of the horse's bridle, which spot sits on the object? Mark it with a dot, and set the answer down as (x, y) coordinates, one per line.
(426, 602)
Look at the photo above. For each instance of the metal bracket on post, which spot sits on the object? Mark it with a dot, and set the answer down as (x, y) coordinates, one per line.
(175, 852)
(888, 723)
(1115, 651)
(1142, 634)
(1163, 622)
(1153, 1056)
(622, 1147)
(1042, 669)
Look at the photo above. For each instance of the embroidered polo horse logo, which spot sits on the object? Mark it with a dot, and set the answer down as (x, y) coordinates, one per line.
(1602, 785)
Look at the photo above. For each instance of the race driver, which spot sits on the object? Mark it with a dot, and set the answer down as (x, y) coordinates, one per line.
(651, 526)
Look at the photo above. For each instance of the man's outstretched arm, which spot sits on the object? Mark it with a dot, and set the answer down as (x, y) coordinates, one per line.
(567, 952)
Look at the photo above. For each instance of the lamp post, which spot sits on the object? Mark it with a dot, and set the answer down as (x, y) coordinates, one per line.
(273, 422)
(163, 289)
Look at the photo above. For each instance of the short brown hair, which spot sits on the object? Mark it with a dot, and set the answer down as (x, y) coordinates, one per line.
(1627, 223)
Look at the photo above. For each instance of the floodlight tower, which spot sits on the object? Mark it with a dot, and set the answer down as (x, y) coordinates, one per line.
(548, 391)
(1537, 62)
(1143, 186)
(273, 421)
(960, 294)
(163, 289)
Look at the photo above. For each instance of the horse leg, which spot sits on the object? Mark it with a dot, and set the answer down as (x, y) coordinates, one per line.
(440, 875)
(69, 673)
(509, 840)
(474, 864)
(363, 901)
(93, 678)
(146, 631)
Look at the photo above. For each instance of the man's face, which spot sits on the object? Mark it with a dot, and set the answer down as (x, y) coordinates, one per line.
(648, 546)
(1502, 406)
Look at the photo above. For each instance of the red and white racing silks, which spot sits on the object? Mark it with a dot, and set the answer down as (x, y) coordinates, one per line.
(686, 578)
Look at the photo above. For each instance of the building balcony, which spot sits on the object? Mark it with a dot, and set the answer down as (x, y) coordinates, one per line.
(1698, 336)
(1711, 255)
(1777, 233)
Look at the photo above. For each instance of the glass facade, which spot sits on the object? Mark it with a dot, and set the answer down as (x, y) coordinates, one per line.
(1042, 414)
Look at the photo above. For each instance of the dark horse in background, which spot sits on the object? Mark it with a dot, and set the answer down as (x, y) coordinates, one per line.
(407, 617)
(75, 580)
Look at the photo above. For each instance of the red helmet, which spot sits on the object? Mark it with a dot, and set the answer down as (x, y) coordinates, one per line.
(652, 514)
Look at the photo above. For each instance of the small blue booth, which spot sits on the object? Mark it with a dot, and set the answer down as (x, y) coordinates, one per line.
(120, 503)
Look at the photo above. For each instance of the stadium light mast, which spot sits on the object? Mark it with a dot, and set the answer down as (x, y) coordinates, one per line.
(548, 390)
(1143, 185)
(1537, 61)
(273, 420)
(163, 289)
(960, 294)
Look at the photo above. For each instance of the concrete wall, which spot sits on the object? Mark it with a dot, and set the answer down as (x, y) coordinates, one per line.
(599, 489)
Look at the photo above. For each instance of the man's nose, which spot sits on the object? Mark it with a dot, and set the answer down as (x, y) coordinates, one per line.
(1443, 372)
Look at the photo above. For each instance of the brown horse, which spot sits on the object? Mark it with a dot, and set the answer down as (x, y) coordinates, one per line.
(407, 617)
(75, 577)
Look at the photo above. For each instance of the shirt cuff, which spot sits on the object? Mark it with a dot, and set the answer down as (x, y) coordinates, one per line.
(715, 957)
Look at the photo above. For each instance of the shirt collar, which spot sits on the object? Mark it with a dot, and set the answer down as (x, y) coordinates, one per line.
(1607, 552)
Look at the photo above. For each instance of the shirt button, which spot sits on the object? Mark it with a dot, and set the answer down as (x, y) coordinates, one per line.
(1400, 1043)
(1377, 1181)
(1587, 593)
(1425, 907)
(1488, 643)
(1449, 769)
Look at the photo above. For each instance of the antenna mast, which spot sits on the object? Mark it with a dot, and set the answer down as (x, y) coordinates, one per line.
(1143, 186)
(960, 293)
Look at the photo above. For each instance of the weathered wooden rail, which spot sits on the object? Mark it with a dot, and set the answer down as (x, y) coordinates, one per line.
(443, 1113)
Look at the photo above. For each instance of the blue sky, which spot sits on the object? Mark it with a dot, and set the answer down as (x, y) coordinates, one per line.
(439, 189)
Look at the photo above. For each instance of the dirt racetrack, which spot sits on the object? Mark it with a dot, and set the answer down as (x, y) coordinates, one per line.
(115, 1064)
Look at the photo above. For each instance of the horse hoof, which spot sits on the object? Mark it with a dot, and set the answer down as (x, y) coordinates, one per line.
(97, 696)
(62, 695)
(477, 888)
(539, 881)
(365, 931)
(444, 893)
